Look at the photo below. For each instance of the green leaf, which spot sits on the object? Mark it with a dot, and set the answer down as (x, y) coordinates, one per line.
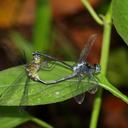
(46, 94)
(108, 86)
(11, 117)
(120, 17)
(42, 28)
(117, 64)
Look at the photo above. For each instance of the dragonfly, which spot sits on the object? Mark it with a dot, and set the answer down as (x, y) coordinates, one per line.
(30, 73)
(80, 70)
(36, 65)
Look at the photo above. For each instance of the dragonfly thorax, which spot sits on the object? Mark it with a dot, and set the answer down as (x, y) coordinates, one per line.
(86, 68)
(81, 68)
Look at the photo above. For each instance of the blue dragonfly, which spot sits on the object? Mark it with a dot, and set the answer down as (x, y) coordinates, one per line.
(81, 70)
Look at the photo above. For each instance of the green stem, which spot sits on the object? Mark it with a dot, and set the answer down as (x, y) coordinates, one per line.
(41, 123)
(96, 109)
(42, 26)
(92, 12)
(106, 41)
(103, 62)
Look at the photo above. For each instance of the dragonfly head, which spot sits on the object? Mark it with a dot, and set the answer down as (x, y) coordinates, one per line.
(36, 57)
(97, 68)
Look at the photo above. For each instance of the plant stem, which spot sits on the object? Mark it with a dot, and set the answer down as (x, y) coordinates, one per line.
(92, 12)
(42, 26)
(96, 109)
(41, 123)
(106, 41)
(103, 62)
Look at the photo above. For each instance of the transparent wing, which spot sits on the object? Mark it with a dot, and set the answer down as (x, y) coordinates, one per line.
(85, 51)
(24, 98)
(9, 92)
(80, 98)
(94, 88)
(82, 85)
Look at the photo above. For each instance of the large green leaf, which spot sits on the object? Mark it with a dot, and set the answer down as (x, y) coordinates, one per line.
(46, 94)
(118, 58)
(120, 17)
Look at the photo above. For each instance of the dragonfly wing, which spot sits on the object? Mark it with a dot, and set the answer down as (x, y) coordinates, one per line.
(7, 94)
(95, 88)
(79, 98)
(85, 51)
(24, 98)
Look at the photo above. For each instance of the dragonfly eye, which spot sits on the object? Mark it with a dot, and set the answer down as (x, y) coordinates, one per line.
(97, 68)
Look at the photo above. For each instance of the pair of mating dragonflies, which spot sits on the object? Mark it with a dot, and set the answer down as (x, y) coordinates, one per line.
(80, 70)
